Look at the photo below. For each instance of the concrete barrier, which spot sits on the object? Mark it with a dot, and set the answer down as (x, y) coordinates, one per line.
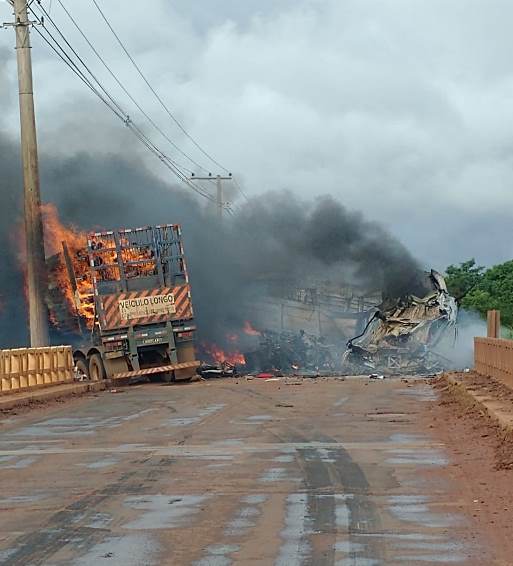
(28, 368)
(494, 357)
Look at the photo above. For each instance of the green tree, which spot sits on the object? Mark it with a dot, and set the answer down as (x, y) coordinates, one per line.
(463, 279)
(493, 291)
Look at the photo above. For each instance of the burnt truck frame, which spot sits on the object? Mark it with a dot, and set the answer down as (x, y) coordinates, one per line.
(143, 315)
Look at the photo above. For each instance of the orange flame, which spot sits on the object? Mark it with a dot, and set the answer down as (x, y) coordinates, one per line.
(80, 302)
(138, 261)
(219, 356)
(249, 330)
(56, 232)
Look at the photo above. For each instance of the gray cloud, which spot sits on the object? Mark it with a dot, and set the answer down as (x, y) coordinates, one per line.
(401, 109)
(5, 90)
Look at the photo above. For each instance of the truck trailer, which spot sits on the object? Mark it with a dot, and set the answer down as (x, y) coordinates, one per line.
(136, 320)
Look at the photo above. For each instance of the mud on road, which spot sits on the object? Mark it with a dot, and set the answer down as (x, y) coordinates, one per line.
(226, 472)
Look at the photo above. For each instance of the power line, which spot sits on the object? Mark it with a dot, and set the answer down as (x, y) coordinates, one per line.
(96, 80)
(157, 96)
(240, 190)
(110, 102)
(93, 76)
(125, 90)
(77, 71)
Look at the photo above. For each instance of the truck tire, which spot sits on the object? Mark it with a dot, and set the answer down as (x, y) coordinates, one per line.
(185, 353)
(96, 368)
(81, 365)
(185, 374)
(168, 377)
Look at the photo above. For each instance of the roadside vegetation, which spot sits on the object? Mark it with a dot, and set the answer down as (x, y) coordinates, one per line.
(479, 289)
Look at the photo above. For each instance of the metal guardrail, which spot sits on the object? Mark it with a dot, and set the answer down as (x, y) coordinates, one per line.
(27, 368)
(494, 357)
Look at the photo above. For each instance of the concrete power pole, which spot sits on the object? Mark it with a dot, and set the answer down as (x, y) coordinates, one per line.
(220, 199)
(220, 192)
(36, 266)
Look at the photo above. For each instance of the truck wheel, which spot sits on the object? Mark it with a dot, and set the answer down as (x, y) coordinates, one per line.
(185, 374)
(96, 368)
(82, 368)
(168, 377)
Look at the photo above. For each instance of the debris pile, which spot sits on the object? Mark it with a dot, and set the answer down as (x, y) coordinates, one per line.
(292, 353)
(401, 337)
(221, 369)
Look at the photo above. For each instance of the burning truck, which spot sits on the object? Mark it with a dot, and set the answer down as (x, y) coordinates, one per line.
(405, 335)
(123, 299)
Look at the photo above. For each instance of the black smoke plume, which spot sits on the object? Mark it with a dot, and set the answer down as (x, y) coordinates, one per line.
(276, 237)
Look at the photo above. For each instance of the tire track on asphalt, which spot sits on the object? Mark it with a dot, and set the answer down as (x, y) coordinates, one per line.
(325, 480)
(59, 531)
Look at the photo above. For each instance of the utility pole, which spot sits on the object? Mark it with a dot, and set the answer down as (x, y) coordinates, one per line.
(36, 266)
(220, 192)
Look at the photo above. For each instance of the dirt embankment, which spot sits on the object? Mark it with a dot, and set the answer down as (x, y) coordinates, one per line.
(481, 453)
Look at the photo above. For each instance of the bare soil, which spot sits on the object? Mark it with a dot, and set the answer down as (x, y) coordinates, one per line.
(481, 456)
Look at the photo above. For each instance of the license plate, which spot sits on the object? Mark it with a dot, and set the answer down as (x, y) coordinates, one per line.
(152, 341)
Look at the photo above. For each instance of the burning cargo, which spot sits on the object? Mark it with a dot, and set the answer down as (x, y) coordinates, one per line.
(130, 295)
(402, 335)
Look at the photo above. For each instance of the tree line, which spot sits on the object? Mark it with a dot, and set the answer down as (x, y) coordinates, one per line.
(479, 289)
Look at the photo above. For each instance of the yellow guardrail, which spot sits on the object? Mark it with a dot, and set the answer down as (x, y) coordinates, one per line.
(27, 368)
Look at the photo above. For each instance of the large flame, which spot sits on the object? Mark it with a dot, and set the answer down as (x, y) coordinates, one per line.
(56, 232)
(80, 302)
(233, 356)
(138, 261)
(219, 356)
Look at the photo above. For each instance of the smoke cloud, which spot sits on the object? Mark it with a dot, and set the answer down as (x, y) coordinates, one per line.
(460, 349)
(276, 237)
(4, 83)
(13, 328)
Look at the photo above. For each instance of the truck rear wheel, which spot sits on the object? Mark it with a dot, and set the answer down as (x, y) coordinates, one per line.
(96, 368)
(185, 374)
(168, 377)
(81, 365)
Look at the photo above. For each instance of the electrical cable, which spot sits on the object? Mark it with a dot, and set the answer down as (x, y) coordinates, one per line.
(240, 189)
(157, 96)
(125, 90)
(112, 105)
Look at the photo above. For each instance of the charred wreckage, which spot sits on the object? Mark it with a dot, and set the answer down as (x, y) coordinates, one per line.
(406, 335)
(402, 336)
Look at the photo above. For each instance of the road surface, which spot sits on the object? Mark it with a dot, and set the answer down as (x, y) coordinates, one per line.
(227, 472)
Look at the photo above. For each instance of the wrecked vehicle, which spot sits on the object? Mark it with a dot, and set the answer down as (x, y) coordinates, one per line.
(402, 336)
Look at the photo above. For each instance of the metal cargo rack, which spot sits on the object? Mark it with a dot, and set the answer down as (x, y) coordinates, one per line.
(136, 259)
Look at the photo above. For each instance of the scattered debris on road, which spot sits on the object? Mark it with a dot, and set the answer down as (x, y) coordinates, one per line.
(292, 353)
(222, 369)
(376, 376)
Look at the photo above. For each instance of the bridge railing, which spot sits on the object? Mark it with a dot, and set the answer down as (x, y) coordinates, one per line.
(494, 357)
(28, 368)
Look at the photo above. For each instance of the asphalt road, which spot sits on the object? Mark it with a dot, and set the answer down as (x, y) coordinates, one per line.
(232, 472)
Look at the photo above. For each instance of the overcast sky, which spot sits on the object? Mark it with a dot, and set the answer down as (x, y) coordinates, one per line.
(403, 108)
